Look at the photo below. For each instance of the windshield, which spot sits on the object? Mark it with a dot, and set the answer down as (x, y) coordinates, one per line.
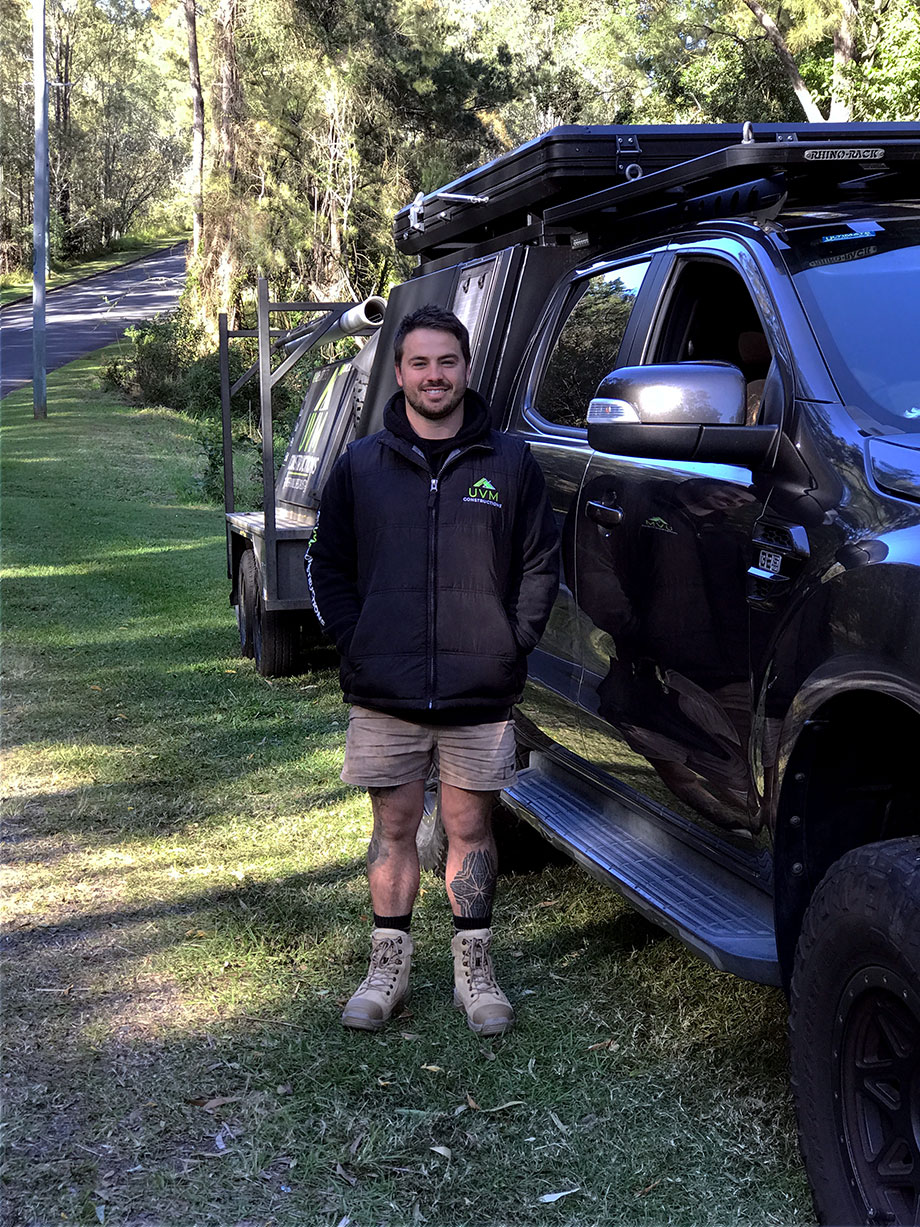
(860, 285)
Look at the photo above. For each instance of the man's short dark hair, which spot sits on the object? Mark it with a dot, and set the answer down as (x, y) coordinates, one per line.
(431, 316)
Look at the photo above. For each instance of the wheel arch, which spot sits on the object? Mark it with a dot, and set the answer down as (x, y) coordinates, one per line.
(849, 780)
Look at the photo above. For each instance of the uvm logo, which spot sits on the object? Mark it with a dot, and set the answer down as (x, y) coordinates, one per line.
(659, 524)
(483, 491)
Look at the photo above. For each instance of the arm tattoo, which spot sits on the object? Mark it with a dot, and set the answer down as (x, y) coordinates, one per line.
(474, 885)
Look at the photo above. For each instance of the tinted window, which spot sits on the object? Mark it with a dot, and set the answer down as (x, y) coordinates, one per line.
(587, 347)
(860, 285)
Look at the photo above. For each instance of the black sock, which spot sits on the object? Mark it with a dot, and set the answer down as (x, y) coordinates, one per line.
(472, 922)
(393, 922)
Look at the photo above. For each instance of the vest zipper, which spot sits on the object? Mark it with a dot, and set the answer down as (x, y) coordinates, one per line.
(432, 591)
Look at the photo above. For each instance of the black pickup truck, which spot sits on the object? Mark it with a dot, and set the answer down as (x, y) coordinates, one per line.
(710, 336)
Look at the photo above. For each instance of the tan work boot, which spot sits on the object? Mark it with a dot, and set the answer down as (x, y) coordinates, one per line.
(488, 1010)
(386, 986)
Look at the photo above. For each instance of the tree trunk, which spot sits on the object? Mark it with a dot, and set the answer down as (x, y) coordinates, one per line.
(228, 84)
(194, 76)
(844, 56)
(802, 92)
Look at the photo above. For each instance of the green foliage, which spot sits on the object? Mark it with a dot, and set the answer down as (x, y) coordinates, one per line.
(166, 361)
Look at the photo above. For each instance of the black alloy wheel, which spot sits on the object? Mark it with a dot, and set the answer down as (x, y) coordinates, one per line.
(855, 1038)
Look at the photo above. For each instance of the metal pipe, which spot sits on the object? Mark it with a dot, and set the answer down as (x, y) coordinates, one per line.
(40, 215)
(269, 561)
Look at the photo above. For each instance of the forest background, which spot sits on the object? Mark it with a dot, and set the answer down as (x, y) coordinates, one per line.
(285, 134)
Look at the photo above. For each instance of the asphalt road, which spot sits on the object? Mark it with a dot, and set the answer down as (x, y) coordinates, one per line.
(89, 314)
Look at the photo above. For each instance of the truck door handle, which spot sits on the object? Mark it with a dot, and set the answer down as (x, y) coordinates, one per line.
(601, 513)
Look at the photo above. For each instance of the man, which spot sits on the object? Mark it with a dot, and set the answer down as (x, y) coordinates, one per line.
(434, 566)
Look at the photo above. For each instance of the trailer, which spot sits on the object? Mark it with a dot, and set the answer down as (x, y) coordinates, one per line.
(265, 549)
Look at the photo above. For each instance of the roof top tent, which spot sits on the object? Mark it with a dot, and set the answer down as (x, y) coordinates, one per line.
(537, 193)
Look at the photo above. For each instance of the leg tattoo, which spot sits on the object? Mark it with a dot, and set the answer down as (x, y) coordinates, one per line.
(474, 885)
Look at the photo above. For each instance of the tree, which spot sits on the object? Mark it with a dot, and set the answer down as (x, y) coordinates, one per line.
(194, 74)
(828, 51)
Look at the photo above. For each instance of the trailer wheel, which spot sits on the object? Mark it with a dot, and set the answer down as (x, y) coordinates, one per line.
(431, 838)
(854, 1037)
(246, 594)
(520, 848)
(277, 641)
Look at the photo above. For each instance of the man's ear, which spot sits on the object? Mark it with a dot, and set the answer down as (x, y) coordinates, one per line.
(398, 373)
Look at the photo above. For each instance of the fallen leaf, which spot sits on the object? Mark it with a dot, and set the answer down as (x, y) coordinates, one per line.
(648, 1188)
(512, 1103)
(442, 1150)
(555, 1196)
(347, 1176)
(287, 1089)
(100, 1213)
(219, 1141)
(550, 903)
(384, 1082)
(95, 687)
(611, 1045)
(558, 1123)
(435, 1069)
(472, 1102)
(409, 1035)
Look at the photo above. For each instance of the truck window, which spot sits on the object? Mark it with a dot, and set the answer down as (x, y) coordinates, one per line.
(710, 316)
(587, 347)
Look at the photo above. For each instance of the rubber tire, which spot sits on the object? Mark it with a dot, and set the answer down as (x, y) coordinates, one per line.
(246, 595)
(520, 847)
(277, 640)
(431, 838)
(854, 1037)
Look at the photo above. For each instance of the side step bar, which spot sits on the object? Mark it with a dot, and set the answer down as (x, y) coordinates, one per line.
(725, 920)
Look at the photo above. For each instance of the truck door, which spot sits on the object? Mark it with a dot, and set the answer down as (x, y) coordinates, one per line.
(662, 554)
(578, 344)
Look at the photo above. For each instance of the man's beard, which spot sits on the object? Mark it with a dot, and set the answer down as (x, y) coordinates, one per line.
(435, 413)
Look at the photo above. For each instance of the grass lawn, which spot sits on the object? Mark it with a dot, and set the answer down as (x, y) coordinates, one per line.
(186, 910)
(16, 287)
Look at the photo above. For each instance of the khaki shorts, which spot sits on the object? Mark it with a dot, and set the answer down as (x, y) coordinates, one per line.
(382, 752)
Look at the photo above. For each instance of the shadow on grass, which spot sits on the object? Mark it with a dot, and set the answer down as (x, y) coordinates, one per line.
(311, 1123)
(279, 906)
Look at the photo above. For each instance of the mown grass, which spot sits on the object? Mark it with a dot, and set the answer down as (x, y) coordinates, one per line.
(17, 285)
(186, 910)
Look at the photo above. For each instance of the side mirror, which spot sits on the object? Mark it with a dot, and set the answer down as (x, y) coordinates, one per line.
(678, 411)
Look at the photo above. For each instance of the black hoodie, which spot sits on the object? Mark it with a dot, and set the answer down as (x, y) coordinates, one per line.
(434, 587)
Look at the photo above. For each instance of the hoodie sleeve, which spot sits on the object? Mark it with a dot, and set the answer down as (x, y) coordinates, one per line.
(537, 546)
(331, 559)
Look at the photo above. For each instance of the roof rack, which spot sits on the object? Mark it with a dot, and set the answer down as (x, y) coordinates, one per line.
(574, 176)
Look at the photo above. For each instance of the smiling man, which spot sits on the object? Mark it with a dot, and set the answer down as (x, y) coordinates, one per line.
(434, 566)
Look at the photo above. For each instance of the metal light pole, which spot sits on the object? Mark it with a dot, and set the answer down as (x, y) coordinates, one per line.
(40, 213)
